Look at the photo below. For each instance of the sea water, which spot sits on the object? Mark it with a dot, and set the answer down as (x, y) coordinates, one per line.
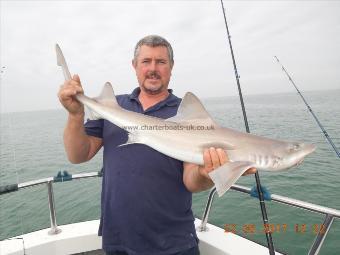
(31, 147)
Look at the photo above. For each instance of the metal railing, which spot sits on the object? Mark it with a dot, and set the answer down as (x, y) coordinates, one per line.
(329, 213)
(49, 181)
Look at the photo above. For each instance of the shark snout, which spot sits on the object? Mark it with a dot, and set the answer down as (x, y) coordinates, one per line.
(296, 155)
(308, 149)
(305, 150)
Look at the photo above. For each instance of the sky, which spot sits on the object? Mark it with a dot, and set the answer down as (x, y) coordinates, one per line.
(98, 38)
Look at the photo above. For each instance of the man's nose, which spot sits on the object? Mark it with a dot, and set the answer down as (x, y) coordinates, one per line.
(153, 66)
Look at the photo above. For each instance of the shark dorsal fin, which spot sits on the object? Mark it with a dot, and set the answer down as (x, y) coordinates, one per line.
(192, 110)
(107, 96)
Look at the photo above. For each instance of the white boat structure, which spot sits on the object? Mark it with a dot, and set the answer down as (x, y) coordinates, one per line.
(82, 238)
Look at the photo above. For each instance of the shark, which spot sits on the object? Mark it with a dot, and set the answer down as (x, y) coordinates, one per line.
(186, 135)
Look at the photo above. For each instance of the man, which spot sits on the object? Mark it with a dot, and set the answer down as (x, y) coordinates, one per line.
(146, 196)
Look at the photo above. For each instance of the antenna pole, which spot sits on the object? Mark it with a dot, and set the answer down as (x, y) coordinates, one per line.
(257, 177)
(310, 110)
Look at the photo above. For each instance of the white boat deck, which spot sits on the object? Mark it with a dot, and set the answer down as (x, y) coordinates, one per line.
(82, 238)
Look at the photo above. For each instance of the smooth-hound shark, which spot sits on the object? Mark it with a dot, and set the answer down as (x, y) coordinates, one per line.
(182, 136)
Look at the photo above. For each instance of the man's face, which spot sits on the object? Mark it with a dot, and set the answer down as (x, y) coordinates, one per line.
(153, 69)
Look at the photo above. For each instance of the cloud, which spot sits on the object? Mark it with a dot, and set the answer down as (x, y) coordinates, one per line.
(98, 40)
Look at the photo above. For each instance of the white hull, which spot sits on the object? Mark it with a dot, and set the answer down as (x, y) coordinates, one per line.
(82, 237)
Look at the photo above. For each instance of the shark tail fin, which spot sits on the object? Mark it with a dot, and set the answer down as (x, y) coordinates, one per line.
(107, 97)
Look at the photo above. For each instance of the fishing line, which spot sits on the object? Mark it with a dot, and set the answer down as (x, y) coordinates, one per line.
(12, 142)
(257, 177)
(84, 185)
(310, 109)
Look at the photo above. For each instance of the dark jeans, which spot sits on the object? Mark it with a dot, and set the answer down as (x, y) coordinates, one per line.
(191, 251)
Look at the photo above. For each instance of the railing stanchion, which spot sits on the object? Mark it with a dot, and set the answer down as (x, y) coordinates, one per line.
(54, 227)
(322, 233)
(205, 217)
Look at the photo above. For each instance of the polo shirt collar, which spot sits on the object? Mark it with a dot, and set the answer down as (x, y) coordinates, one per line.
(171, 100)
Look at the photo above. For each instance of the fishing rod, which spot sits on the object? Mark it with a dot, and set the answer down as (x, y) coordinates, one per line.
(257, 177)
(310, 109)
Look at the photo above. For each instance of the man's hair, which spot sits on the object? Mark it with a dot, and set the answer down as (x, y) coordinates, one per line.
(154, 41)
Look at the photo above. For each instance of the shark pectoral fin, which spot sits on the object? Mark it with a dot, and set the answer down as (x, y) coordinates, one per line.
(226, 175)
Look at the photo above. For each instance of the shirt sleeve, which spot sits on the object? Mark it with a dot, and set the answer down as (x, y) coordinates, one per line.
(94, 128)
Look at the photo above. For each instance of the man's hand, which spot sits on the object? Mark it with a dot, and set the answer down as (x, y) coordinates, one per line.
(79, 146)
(214, 158)
(67, 94)
(250, 171)
(196, 178)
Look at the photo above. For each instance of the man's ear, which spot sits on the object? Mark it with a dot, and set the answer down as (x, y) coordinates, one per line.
(172, 66)
(134, 63)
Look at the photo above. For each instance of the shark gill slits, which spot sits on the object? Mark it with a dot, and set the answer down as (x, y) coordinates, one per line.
(258, 159)
(266, 160)
(276, 161)
(261, 161)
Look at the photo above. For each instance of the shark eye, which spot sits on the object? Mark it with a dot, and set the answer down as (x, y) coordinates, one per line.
(296, 147)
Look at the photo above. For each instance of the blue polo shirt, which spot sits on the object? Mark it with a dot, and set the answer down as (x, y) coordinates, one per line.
(145, 206)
